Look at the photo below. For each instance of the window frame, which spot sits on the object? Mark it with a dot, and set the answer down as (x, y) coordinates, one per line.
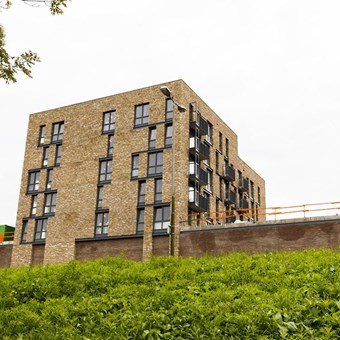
(168, 140)
(49, 179)
(58, 153)
(45, 156)
(50, 203)
(144, 115)
(111, 124)
(43, 230)
(110, 146)
(157, 168)
(158, 193)
(164, 221)
(42, 135)
(107, 173)
(152, 140)
(35, 183)
(105, 217)
(24, 231)
(34, 203)
(169, 113)
(141, 193)
(57, 137)
(99, 201)
(140, 222)
(134, 166)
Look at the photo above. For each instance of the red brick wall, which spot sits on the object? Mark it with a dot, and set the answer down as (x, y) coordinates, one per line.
(38, 251)
(261, 238)
(132, 248)
(5, 255)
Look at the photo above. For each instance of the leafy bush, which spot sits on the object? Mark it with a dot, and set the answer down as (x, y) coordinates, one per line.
(293, 295)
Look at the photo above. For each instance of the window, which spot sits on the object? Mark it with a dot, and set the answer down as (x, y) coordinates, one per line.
(50, 203)
(221, 187)
(161, 218)
(209, 133)
(158, 190)
(110, 145)
(57, 132)
(217, 162)
(140, 220)
(209, 185)
(42, 134)
(102, 223)
(134, 171)
(33, 181)
(258, 196)
(109, 121)
(227, 147)
(141, 114)
(24, 231)
(58, 155)
(152, 137)
(168, 135)
(220, 141)
(169, 109)
(40, 229)
(251, 189)
(105, 174)
(155, 163)
(100, 197)
(49, 179)
(34, 205)
(45, 156)
(141, 192)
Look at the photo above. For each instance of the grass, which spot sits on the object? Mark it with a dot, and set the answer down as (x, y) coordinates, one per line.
(292, 295)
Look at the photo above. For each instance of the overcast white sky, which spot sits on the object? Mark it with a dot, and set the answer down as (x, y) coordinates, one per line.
(269, 68)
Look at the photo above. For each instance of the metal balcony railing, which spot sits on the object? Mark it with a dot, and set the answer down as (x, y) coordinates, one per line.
(196, 121)
(200, 206)
(196, 146)
(197, 173)
(230, 197)
(229, 173)
(243, 185)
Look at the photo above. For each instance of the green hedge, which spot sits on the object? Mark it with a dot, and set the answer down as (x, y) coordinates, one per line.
(293, 295)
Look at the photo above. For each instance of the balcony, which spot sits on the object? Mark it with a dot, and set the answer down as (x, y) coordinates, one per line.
(243, 205)
(230, 197)
(201, 206)
(196, 146)
(196, 121)
(243, 185)
(197, 173)
(229, 173)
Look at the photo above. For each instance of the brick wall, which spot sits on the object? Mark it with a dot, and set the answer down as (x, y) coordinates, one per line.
(294, 236)
(5, 255)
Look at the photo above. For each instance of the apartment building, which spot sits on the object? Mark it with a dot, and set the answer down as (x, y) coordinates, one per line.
(109, 168)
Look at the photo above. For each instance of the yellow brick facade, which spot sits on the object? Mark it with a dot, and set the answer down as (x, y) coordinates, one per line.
(84, 145)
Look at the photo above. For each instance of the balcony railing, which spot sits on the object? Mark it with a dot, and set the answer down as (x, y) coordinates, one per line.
(229, 173)
(230, 197)
(196, 121)
(196, 146)
(197, 173)
(200, 206)
(243, 205)
(243, 185)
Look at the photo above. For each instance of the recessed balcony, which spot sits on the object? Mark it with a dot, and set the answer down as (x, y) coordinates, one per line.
(243, 185)
(229, 173)
(197, 147)
(196, 173)
(201, 204)
(230, 197)
(196, 121)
